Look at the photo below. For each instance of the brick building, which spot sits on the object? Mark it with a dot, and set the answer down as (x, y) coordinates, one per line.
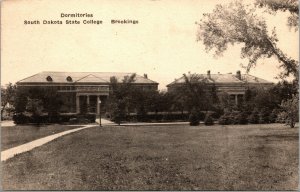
(80, 89)
(234, 85)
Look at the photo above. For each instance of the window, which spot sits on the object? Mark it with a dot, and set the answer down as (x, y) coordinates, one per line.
(69, 79)
(49, 78)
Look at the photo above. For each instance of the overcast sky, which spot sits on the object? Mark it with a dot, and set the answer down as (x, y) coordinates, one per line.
(163, 43)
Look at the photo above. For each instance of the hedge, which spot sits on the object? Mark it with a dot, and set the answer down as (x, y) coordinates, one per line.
(61, 118)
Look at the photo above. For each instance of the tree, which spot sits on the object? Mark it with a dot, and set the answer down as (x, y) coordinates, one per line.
(290, 107)
(166, 101)
(284, 90)
(283, 5)
(196, 91)
(144, 101)
(35, 106)
(52, 101)
(21, 100)
(7, 96)
(49, 98)
(238, 23)
(120, 97)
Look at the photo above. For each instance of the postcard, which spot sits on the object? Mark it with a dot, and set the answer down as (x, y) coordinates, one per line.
(149, 95)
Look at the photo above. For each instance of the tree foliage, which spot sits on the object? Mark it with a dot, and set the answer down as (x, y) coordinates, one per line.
(283, 5)
(7, 96)
(195, 93)
(120, 97)
(291, 108)
(238, 23)
(46, 98)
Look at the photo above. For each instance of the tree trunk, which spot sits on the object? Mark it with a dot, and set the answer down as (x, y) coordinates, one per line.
(292, 124)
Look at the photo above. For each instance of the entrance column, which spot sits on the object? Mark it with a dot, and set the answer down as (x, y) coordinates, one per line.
(236, 99)
(77, 104)
(98, 105)
(87, 103)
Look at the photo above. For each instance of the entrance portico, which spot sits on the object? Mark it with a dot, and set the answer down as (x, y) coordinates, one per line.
(88, 97)
(89, 102)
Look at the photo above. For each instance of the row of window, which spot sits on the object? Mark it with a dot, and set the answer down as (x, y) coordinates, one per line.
(94, 88)
(49, 78)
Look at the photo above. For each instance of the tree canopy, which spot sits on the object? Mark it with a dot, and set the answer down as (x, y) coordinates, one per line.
(195, 93)
(239, 23)
(120, 96)
(283, 5)
(7, 96)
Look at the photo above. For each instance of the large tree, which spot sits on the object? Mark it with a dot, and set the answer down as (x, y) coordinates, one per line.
(47, 97)
(120, 97)
(7, 96)
(195, 93)
(239, 23)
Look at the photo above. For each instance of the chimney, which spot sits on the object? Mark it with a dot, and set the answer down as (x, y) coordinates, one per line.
(145, 75)
(208, 74)
(238, 75)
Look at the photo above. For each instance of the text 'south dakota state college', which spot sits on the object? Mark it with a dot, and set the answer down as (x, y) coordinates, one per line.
(77, 19)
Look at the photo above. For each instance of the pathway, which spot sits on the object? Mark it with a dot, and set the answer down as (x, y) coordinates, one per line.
(105, 122)
(8, 123)
(9, 153)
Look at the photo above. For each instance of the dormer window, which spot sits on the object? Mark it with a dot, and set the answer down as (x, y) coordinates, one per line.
(49, 78)
(69, 79)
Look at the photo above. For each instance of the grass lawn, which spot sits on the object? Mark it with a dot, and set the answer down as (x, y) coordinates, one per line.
(20, 134)
(247, 157)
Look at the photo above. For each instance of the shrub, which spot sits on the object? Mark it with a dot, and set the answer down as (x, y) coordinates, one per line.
(241, 118)
(83, 120)
(263, 116)
(254, 117)
(90, 118)
(117, 118)
(38, 119)
(273, 116)
(62, 118)
(73, 121)
(159, 116)
(54, 119)
(201, 116)
(194, 118)
(226, 119)
(217, 113)
(208, 120)
(20, 118)
(281, 117)
(79, 119)
(291, 107)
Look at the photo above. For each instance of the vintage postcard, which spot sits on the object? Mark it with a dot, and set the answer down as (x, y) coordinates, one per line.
(149, 95)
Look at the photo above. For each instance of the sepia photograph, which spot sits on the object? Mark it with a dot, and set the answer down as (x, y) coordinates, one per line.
(150, 95)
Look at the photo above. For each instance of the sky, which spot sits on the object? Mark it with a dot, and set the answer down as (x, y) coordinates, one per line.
(163, 44)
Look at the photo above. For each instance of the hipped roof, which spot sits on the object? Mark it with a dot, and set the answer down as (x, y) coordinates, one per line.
(224, 79)
(82, 77)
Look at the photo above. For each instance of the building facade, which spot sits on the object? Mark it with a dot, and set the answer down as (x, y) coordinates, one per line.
(235, 85)
(82, 90)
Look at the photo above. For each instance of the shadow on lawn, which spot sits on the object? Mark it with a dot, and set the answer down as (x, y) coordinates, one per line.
(289, 137)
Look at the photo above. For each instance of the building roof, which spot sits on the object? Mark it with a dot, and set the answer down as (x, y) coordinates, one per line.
(224, 79)
(252, 79)
(81, 77)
